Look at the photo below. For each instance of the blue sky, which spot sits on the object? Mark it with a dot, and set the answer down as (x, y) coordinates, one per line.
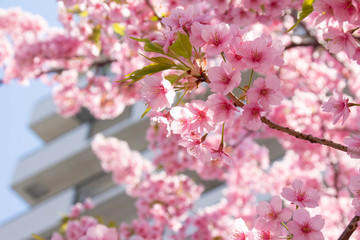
(16, 104)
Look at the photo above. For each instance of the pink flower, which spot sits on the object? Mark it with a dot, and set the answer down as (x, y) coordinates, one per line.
(68, 99)
(338, 107)
(339, 40)
(100, 232)
(265, 235)
(251, 116)
(345, 10)
(239, 231)
(221, 156)
(265, 91)
(196, 147)
(353, 144)
(261, 53)
(305, 228)
(234, 58)
(216, 38)
(356, 203)
(88, 204)
(75, 210)
(273, 212)
(325, 10)
(181, 120)
(354, 185)
(224, 79)
(57, 236)
(301, 196)
(224, 109)
(165, 38)
(203, 116)
(254, 4)
(157, 92)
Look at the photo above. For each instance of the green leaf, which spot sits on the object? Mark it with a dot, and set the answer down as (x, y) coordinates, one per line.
(112, 224)
(119, 29)
(307, 8)
(146, 111)
(154, 18)
(153, 47)
(37, 237)
(65, 219)
(95, 36)
(100, 219)
(147, 70)
(182, 46)
(83, 14)
(140, 39)
(63, 228)
(172, 78)
(160, 60)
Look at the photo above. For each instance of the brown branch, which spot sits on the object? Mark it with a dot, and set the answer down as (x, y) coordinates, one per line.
(350, 228)
(299, 135)
(303, 44)
(152, 9)
(96, 63)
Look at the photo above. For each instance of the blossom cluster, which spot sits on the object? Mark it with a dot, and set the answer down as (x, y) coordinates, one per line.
(213, 76)
(273, 219)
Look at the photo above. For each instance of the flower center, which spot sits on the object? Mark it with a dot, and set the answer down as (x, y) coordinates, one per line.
(215, 40)
(305, 228)
(256, 56)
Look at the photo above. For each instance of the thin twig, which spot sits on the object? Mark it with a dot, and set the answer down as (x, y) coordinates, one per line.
(96, 63)
(350, 228)
(152, 9)
(299, 135)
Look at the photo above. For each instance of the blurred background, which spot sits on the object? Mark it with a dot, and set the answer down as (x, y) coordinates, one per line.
(16, 104)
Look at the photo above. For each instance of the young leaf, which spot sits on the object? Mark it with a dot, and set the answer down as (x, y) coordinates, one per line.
(307, 8)
(140, 39)
(147, 70)
(160, 60)
(153, 47)
(119, 29)
(182, 46)
(83, 14)
(95, 36)
(112, 224)
(146, 111)
(172, 78)
(37, 237)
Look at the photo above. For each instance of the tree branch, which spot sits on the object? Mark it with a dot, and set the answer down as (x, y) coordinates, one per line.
(299, 135)
(97, 63)
(152, 9)
(350, 228)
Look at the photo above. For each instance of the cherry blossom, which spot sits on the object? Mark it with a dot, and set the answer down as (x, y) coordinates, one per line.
(224, 109)
(300, 195)
(157, 92)
(273, 212)
(100, 232)
(353, 146)
(215, 38)
(261, 53)
(240, 231)
(303, 227)
(265, 91)
(339, 40)
(339, 107)
(224, 79)
(203, 116)
(251, 116)
(88, 59)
